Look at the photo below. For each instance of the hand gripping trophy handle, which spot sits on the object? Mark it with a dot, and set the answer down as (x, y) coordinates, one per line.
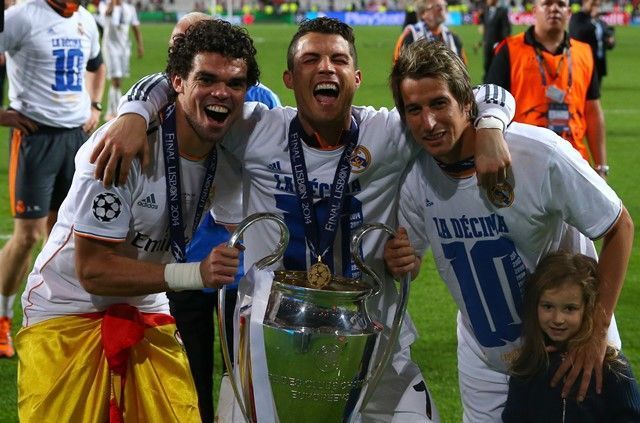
(401, 306)
(264, 262)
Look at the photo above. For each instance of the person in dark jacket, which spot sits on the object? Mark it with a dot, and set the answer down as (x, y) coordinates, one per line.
(558, 313)
(588, 27)
(495, 28)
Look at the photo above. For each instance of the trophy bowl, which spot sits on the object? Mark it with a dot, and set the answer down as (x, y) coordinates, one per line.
(319, 343)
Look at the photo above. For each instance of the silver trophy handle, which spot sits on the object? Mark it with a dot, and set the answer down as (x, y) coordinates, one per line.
(401, 307)
(264, 262)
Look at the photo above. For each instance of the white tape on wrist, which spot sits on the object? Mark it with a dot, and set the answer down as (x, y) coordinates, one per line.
(489, 122)
(183, 276)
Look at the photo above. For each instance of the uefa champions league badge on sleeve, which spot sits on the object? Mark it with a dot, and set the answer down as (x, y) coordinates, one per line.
(106, 207)
(501, 194)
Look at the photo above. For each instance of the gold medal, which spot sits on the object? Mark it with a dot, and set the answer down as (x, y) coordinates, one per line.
(319, 275)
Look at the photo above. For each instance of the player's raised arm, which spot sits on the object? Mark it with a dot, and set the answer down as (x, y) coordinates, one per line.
(126, 138)
(496, 109)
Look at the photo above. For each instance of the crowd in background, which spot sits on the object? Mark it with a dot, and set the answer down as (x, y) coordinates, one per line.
(632, 7)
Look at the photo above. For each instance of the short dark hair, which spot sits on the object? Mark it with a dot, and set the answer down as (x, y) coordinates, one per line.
(212, 36)
(432, 59)
(323, 25)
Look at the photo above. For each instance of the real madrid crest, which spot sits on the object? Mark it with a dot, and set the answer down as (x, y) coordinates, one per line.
(501, 194)
(360, 159)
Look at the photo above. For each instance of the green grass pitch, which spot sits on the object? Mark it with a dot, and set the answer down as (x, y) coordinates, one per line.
(430, 305)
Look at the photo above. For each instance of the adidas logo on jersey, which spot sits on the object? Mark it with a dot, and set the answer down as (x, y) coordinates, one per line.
(428, 202)
(275, 166)
(149, 202)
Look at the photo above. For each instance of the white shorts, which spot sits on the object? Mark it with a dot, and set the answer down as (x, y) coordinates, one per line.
(483, 390)
(401, 396)
(117, 64)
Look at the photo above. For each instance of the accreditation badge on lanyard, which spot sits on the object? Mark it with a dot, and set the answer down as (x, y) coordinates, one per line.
(558, 118)
(558, 110)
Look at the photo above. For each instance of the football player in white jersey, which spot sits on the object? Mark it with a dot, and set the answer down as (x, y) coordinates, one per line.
(432, 16)
(97, 287)
(53, 103)
(323, 73)
(486, 243)
(117, 17)
(194, 310)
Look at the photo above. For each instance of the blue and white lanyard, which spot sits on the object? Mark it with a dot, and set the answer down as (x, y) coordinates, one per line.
(320, 237)
(171, 153)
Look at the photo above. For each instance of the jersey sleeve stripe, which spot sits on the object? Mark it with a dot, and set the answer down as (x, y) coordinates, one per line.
(611, 225)
(493, 94)
(141, 89)
(104, 238)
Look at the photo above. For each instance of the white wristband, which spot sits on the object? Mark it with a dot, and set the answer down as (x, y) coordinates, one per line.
(182, 276)
(489, 122)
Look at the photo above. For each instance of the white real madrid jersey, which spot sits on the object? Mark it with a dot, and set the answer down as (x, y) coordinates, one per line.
(485, 245)
(134, 215)
(379, 160)
(380, 157)
(115, 39)
(46, 60)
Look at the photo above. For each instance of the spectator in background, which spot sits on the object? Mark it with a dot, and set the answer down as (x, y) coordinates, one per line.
(494, 27)
(554, 81)
(56, 80)
(117, 17)
(588, 27)
(3, 60)
(433, 15)
(410, 16)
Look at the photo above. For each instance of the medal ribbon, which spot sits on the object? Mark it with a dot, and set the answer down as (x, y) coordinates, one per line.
(171, 154)
(320, 237)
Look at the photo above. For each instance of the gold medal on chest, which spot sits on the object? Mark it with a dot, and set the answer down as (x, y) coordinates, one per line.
(319, 275)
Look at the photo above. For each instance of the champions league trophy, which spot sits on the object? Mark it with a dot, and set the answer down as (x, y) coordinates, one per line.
(319, 340)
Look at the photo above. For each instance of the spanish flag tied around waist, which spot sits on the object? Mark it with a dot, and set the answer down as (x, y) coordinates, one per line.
(123, 327)
(119, 365)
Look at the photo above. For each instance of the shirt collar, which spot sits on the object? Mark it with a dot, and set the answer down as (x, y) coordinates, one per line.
(530, 39)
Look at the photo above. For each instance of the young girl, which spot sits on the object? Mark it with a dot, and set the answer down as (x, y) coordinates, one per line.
(558, 310)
